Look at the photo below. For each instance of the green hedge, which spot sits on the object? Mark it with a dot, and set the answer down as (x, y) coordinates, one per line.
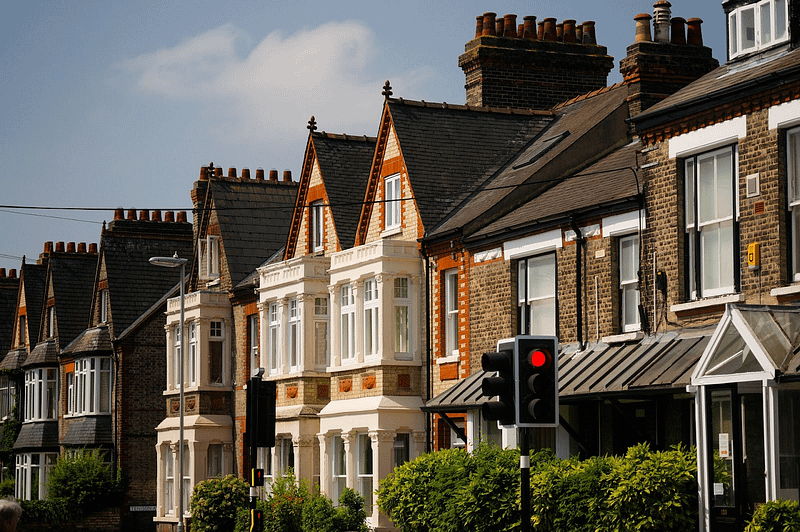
(215, 503)
(776, 516)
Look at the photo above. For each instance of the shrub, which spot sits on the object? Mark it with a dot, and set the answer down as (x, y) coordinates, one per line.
(215, 503)
(50, 511)
(7, 488)
(319, 514)
(775, 516)
(86, 481)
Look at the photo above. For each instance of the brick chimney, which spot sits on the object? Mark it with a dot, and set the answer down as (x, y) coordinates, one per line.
(656, 67)
(532, 70)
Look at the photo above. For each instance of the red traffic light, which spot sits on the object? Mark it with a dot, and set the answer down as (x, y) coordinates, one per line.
(540, 358)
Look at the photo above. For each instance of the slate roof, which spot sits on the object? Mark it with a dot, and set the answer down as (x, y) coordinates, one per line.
(732, 81)
(450, 149)
(37, 435)
(583, 131)
(88, 431)
(44, 354)
(133, 283)
(344, 162)
(254, 278)
(96, 339)
(9, 288)
(14, 359)
(32, 279)
(254, 218)
(72, 278)
(609, 182)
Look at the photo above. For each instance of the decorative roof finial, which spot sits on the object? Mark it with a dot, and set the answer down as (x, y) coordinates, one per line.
(387, 90)
(312, 124)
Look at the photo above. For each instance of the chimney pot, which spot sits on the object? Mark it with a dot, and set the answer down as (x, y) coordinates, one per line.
(245, 173)
(569, 30)
(82, 248)
(259, 174)
(144, 215)
(540, 30)
(155, 216)
(578, 33)
(131, 214)
(273, 175)
(643, 27)
(48, 247)
(678, 30)
(169, 216)
(217, 171)
(694, 34)
(59, 247)
(529, 23)
(182, 216)
(287, 176)
(488, 24)
(119, 214)
(661, 20)
(589, 36)
(549, 29)
(478, 26)
(500, 23)
(232, 172)
(203, 173)
(520, 30)
(70, 247)
(12, 273)
(510, 26)
(93, 247)
(2, 272)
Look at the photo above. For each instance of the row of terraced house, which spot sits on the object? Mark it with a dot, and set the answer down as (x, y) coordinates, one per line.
(652, 225)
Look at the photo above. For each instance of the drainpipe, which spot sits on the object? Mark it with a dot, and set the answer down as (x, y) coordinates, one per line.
(578, 275)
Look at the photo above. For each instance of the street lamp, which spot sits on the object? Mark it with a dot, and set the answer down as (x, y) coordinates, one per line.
(174, 262)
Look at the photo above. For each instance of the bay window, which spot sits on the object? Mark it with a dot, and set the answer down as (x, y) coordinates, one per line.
(711, 223)
(32, 475)
(7, 396)
(370, 317)
(40, 394)
(348, 314)
(93, 386)
(321, 319)
(536, 295)
(402, 304)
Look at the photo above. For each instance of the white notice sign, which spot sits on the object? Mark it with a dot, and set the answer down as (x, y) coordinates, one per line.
(724, 445)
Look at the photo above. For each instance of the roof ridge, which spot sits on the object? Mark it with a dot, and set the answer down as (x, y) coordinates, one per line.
(588, 95)
(345, 136)
(467, 107)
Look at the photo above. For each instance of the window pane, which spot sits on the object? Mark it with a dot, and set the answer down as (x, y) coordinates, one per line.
(215, 362)
(733, 35)
(689, 185)
(780, 19)
(724, 199)
(748, 23)
(541, 276)
(543, 316)
(766, 24)
(401, 329)
(321, 343)
(706, 189)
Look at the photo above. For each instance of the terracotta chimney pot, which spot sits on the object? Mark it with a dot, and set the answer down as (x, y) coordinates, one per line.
(70, 247)
(93, 247)
(2, 272)
(131, 214)
(144, 215)
(246, 173)
(549, 29)
(169, 216)
(478, 26)
(569, 30)
(678, 30)
(500, 23)
(540, 30)
(287, 176)
(82, 248)
(488, 24)
(510, 26)
(59, 247)
(529, 25)
(694, 34)
(48, 247)
(589, 36)
(232, 172)
(155, 216)
(12, 273)
(259, 174)
(182, 216)
(643, 27)
(218, 171)
(119, 214)
(203, 173)
(273, 175)
(579, 34)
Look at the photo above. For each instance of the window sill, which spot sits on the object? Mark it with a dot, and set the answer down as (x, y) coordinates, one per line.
(447, 360)
(703, 304)
(391, 231)
(633, 336)
(784, 291)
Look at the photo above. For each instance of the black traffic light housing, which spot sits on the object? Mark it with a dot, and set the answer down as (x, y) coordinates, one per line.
(261, 413)
(536, 369)
(500, 385)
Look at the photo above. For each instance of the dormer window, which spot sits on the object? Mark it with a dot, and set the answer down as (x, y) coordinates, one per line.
(317, 225)
(757, 26)
(392, 207)
(208, 257)
(104, 305)
(51, 322)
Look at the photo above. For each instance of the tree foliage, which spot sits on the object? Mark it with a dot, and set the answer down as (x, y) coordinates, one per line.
(215, 503)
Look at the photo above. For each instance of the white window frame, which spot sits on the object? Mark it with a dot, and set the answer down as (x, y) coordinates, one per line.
(41, 394)
(104, 305)
(26, 466)
(402, 448)
(284, 452)
(321, 332)
(208, 257)
(393, 204)
(347, 323)
(215, 461)
(293, 335)
(769, 27)
(176, 356)
(371, 317)
(91, 374)
(273, 337)
(451, 312)
(170, 457)
(317, 226)
(70, 378)
(793, 197)
(216, 337)
(51, 321)
(338, 467)
(253, 343)
(628, 259)
(8, 396)
(192, 358)
(365, 468)
(537, 287)
(706, 235)
(402, 318)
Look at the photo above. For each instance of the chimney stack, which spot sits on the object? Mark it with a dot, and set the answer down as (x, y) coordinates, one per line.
(537, 67)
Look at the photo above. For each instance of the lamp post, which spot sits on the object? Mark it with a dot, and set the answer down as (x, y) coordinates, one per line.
(174, 262)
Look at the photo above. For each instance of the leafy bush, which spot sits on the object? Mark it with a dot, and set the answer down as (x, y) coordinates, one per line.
(50, 511)
(775, 516)
(7, 488)
(86, 481)
(319, 514)
(215, 503)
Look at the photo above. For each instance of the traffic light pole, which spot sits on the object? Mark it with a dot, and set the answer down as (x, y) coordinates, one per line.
(524, 479)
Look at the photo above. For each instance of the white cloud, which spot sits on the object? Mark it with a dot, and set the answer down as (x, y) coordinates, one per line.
(332, 71)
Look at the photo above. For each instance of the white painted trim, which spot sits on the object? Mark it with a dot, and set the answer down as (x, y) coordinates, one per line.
(784, 114)
(620, 224)
(785, 290)
(587, 232)
(708, 138)
(532, 244)
(708, 302)
(489, 254)
(448, 360)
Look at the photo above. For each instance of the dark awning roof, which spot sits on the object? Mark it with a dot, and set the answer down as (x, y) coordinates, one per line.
(37, 435)
(14, 359)
(92, 340)
(663, 362)
(44, 354)
(89, 431)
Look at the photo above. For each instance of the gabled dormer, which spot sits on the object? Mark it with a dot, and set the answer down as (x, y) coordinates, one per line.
(756, 26)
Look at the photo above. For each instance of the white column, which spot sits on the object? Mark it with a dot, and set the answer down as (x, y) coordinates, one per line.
(325, 465)
(350, 456)
(382, 465)
(160, 503)
(772, 440)
(336, 325)
(419, 444)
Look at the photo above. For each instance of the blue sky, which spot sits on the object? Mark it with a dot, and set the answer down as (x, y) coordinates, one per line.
(110, 104)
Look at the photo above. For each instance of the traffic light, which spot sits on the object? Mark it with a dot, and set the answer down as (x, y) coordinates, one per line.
(261, 413)
(501, 385)
(256, 520)
(536, 368)
(257, 477)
